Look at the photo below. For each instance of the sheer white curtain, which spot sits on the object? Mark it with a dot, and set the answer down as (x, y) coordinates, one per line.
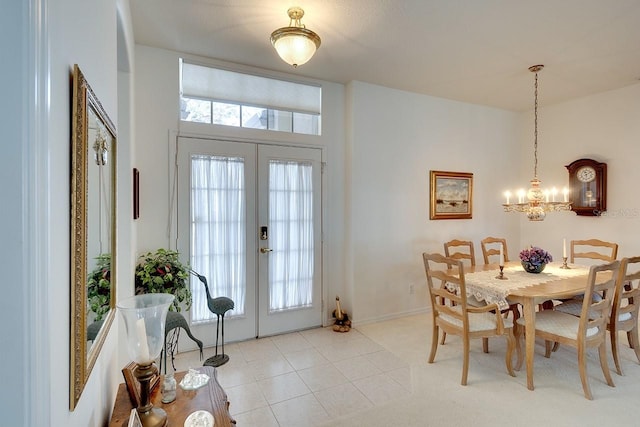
(218, 231)
(290, 235)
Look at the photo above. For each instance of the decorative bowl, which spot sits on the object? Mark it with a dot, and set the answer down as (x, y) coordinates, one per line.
(200, 419)
(533, 268)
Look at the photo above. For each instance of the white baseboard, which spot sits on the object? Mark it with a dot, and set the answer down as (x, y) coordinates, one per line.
(356, 322)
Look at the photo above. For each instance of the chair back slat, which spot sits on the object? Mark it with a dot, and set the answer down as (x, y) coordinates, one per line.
(460, 250)
(491, 247)
(447, 270)
(593, 249)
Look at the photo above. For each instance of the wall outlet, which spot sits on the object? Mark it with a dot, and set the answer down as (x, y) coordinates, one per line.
(412, 289)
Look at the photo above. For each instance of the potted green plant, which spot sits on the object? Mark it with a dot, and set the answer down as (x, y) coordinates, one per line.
(163, 272)
(99, 287)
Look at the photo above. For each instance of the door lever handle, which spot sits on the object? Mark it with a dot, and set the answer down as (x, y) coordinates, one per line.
(265, 250)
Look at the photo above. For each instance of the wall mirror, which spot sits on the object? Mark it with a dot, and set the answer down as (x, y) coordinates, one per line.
(93, 231)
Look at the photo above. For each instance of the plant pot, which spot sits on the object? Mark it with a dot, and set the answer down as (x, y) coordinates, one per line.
(533, 268)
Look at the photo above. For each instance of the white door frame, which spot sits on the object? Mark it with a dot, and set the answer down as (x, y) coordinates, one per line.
(173, 137)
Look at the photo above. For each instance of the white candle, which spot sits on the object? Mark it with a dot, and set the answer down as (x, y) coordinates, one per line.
(501, 256)
(564, 248)
(507, 194)
(143, 346)
(521, 196)
(565, 193)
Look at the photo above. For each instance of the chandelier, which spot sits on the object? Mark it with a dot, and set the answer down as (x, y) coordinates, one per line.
(295, 44)
(538, 201)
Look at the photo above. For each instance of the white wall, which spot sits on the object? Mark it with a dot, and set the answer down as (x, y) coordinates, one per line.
(604, 127)
(84, 33)
(14, 217)
(395, 139)
(157, 123)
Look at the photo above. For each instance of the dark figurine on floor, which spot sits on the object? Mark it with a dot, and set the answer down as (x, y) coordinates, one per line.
(342, 323)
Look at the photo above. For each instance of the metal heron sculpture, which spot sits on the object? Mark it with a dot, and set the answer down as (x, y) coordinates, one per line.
(219, 306)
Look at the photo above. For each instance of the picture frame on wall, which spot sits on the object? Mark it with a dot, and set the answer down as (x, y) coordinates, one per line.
(136, 193)
(451, 195)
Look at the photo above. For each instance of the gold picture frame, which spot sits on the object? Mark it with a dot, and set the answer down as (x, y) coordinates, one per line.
(93, 228)
(451, 195)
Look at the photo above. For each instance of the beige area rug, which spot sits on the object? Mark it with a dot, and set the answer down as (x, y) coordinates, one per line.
(492, 397)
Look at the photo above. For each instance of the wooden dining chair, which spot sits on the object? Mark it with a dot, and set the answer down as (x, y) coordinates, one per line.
(452, 314)
(593, 249)
(491, 247)
(460, 250)
(585, 331)
(625, 307)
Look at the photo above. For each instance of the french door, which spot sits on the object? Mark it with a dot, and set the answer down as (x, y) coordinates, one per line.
(249, 218)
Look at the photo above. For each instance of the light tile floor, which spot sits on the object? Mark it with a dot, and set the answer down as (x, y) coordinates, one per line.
(306, 378)
(378, 375)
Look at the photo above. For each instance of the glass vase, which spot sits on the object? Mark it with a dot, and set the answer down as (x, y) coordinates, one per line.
(144, 319)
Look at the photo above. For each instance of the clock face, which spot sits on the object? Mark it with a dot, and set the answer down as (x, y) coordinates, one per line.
(586, 174)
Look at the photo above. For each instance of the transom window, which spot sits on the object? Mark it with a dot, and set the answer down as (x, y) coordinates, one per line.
(221, 97)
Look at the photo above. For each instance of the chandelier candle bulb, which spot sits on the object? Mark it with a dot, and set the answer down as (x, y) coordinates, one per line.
(565, 193)
(507, 194)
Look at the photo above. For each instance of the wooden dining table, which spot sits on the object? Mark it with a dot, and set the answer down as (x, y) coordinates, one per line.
(553, 283)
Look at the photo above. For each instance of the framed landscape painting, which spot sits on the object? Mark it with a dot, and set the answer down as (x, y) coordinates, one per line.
(451, 195)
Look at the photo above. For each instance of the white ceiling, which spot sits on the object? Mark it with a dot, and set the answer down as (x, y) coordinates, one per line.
(475, 51)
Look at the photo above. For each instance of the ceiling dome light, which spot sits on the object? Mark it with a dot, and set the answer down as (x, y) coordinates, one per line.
(295, 44)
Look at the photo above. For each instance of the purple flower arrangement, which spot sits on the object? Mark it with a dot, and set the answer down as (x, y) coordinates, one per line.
(535, 257)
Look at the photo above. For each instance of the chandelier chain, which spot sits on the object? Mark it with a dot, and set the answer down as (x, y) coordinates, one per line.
(535, 129)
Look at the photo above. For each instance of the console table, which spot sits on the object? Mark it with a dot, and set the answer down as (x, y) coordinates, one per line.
(211, 398)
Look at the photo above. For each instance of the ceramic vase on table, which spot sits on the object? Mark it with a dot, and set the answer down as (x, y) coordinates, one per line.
(533, 268)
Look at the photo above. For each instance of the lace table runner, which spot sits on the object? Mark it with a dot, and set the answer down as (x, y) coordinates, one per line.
(484, 286)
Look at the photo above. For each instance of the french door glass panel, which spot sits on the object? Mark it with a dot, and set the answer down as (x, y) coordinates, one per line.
(291, 262)
(218, 231)
(289, 200)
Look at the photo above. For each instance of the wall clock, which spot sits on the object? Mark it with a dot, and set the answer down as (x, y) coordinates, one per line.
(588, 187)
